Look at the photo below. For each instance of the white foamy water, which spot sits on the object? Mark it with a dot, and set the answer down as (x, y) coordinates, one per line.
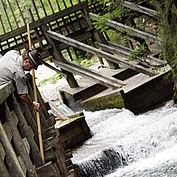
(149, 139)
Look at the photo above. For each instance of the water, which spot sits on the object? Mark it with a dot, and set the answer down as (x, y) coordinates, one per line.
(125, 145)
(128, 145)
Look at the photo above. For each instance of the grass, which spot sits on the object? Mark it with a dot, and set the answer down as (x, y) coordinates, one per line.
(86, 62)
(50, 80)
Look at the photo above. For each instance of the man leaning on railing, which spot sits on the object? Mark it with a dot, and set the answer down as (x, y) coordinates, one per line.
(12, 69)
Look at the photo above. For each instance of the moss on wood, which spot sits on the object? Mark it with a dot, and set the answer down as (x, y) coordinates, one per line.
(104, 102)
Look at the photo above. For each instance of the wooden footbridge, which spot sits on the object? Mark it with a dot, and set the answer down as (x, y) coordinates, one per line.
(56, 29)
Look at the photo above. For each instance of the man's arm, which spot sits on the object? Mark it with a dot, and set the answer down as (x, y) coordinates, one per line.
(26, 99)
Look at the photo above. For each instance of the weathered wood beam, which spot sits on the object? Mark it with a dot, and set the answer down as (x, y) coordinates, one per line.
(98, 52)
(138, 8)
(115, 48)
(18, 142)
(102, 79)
(54, 68)
(80, 37)
(5, 91)
(47, 170)
(3, 168)
(13, 162)
(129, 30)
(149, 57)
(28, 133)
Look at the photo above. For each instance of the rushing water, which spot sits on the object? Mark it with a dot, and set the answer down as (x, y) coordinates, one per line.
(128, 145)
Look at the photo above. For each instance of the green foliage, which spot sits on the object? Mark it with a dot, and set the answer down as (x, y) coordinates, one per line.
(140, 52)
(112, 11)
(167, 13)
(82, 58)
(51, 80)
(85, 61)
(116, 36)
(12, 9)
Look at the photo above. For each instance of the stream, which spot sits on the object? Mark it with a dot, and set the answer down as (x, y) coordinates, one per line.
(128, 145)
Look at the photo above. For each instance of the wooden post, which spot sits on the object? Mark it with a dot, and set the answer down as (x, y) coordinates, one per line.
(14, 163)
(57, 54)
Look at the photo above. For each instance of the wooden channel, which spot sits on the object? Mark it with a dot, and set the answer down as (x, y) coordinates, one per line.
(98, 52)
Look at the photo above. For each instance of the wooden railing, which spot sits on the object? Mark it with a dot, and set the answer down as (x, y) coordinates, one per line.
(64, 18)
(19, 149)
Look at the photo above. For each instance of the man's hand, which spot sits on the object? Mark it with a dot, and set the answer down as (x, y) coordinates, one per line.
(36, 106)
(26, 99)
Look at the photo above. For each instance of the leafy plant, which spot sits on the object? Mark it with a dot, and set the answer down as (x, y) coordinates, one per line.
(85, 61)
(22, 15)
(140, 52)
(51, 80)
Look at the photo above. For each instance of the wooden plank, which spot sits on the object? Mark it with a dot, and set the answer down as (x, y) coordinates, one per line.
(82, 36)
(30, 120)
(61, 159)
(47, 170)
(124, 51)
(98, 52)
(129, 30)
(58, 55)
(5, 91)
(25, 162)
(50, 142)
(68, 162)
(138, 8)
(50, 132)
(102, 79)
(2, 152)
(27, 132)
(54, 68)
(50, 155)
(27, 145)
(3, 169)
(150, 58)
(15, 119)
(71, 173)
(22, 164)
(6, 129)
(13, 164)
(68, 155)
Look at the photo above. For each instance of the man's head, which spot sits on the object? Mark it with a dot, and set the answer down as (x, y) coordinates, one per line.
(31, 60)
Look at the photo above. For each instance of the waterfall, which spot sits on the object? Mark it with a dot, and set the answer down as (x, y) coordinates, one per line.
(128, 145)
(103, 162)
(163, 164)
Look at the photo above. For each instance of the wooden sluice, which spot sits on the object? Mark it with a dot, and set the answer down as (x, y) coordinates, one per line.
(129, 86)
(73, 23)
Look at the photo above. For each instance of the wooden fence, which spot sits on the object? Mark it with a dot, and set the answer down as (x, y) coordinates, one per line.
(19, 147)
(65, 18)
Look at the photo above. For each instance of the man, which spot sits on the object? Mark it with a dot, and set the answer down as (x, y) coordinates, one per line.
(12, 69)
